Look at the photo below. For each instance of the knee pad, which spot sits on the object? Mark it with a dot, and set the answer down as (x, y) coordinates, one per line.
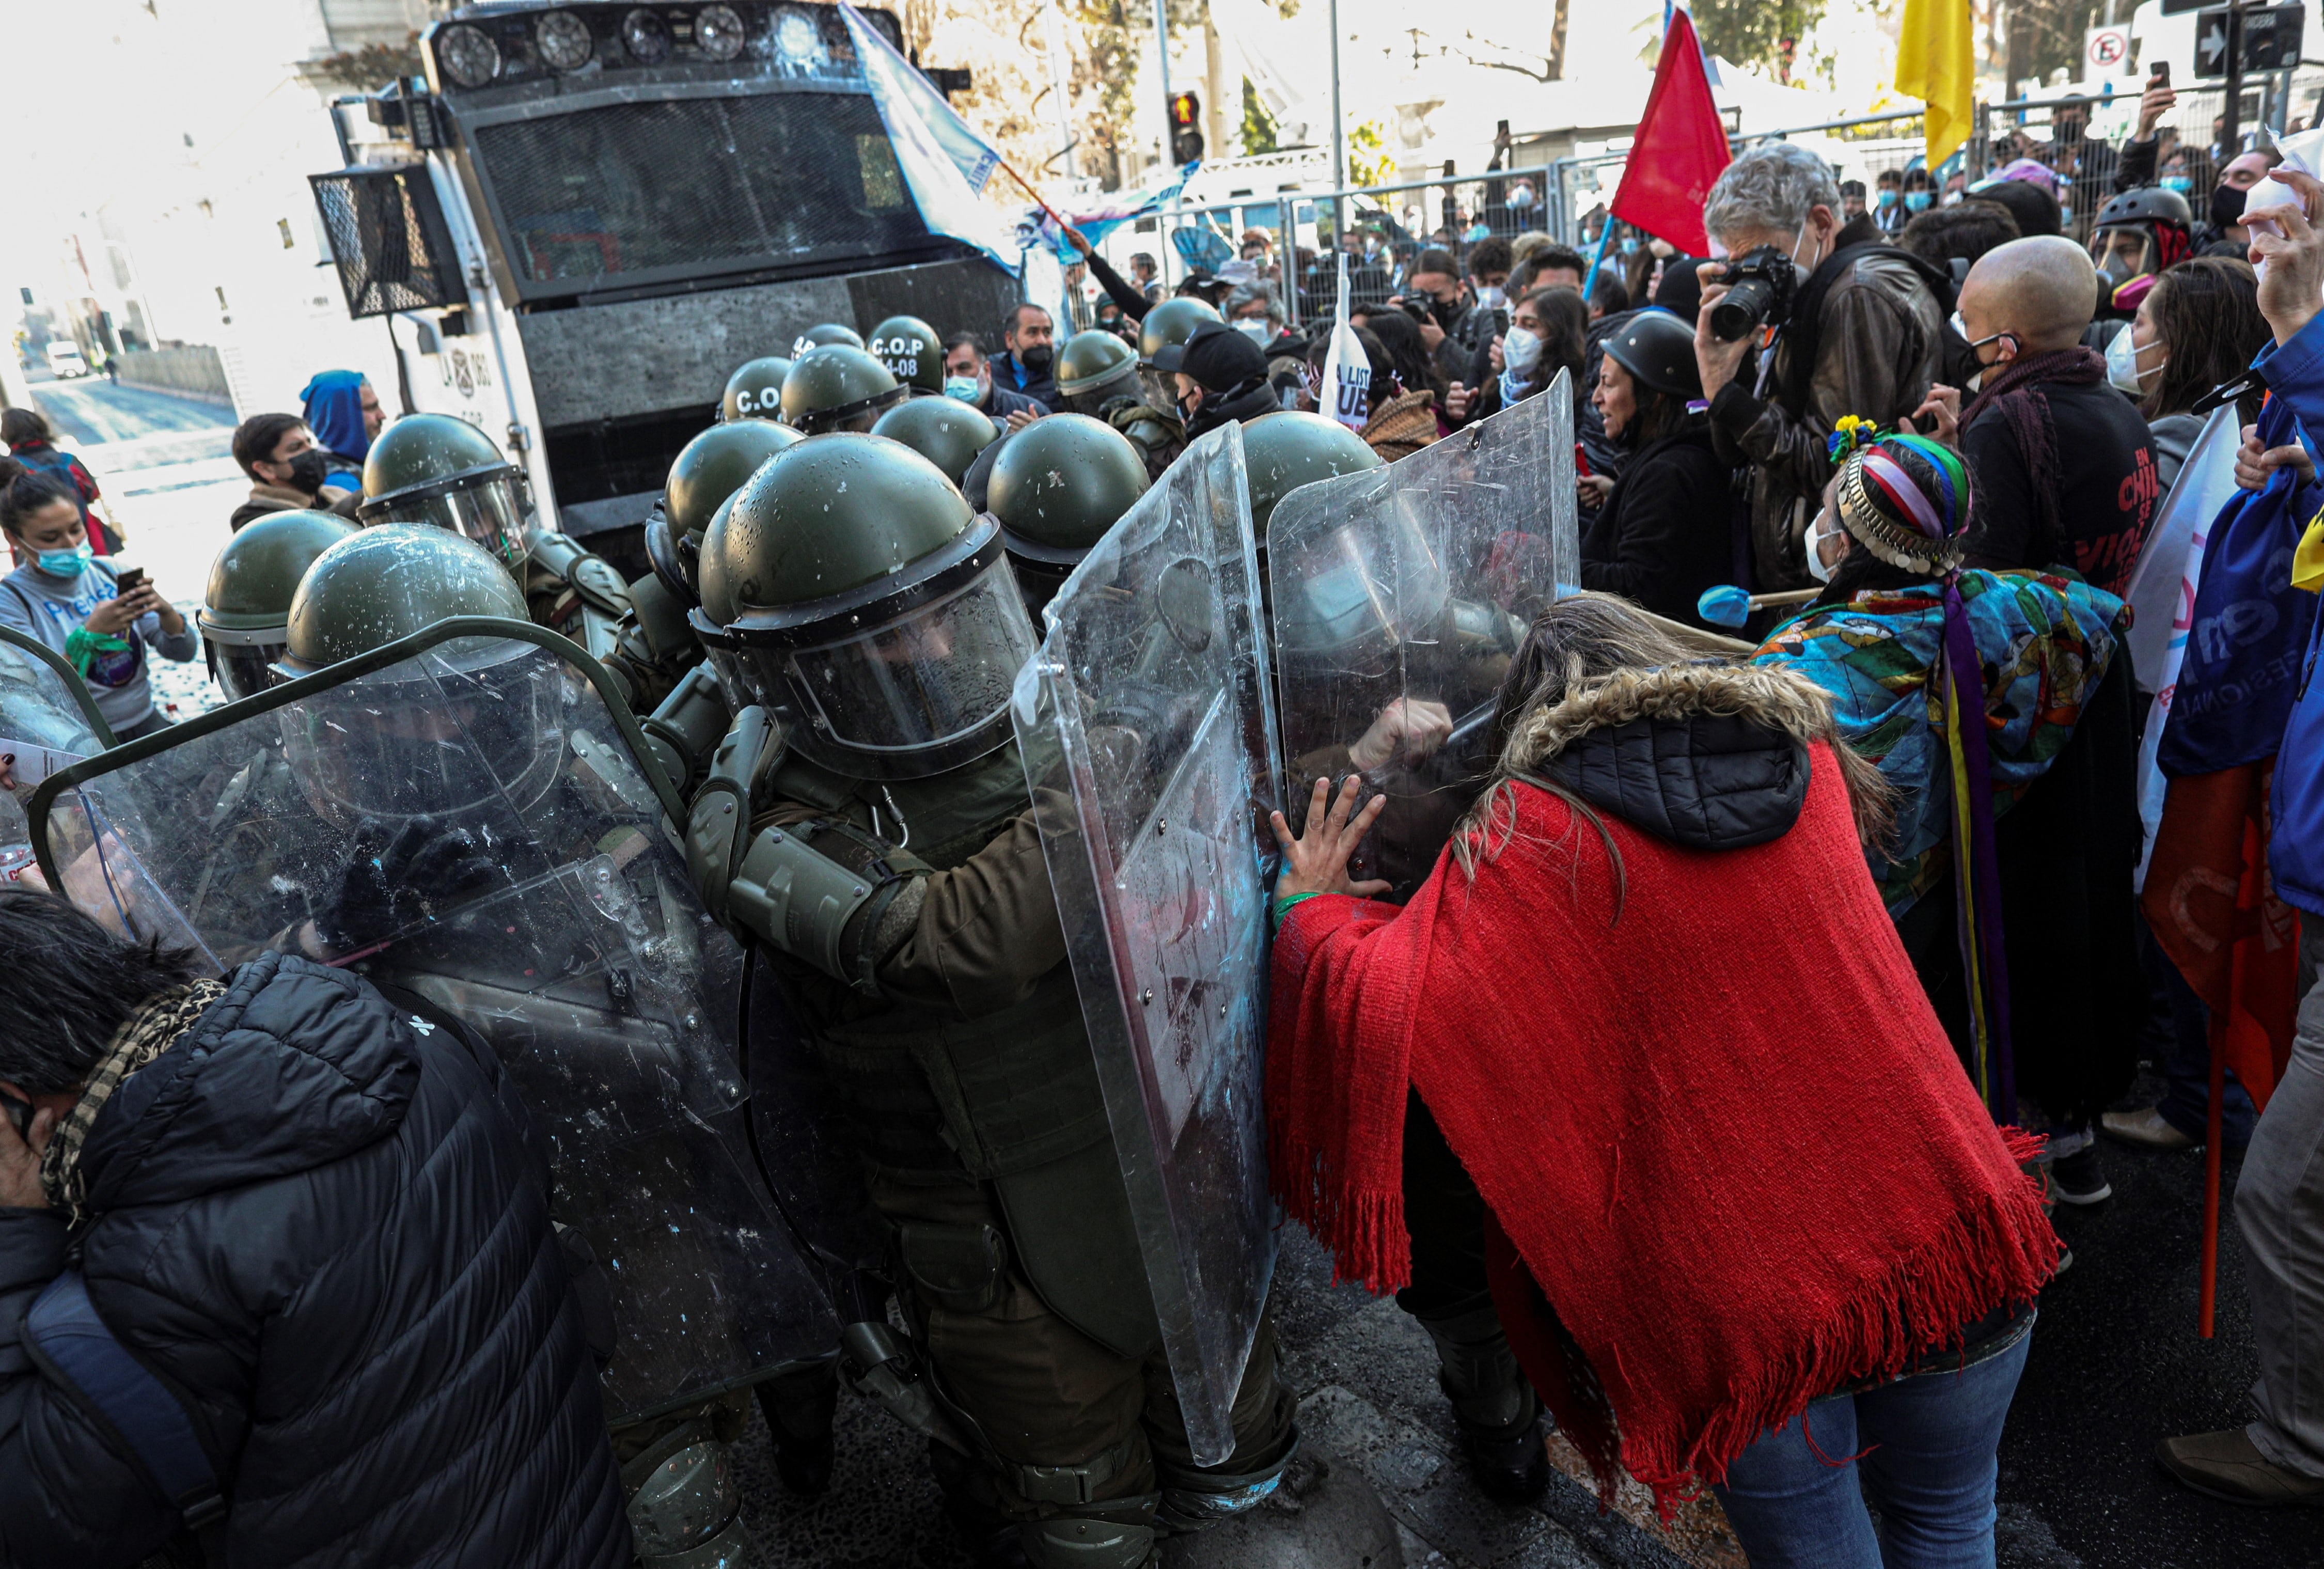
(1118, 1533)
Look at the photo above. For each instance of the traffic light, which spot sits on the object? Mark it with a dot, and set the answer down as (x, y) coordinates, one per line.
(1185, 127)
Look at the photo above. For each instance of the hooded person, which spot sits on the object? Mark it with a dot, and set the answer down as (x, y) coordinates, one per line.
(1711, 1246)
(1220, 375)
(2034, 864)
(344, 412)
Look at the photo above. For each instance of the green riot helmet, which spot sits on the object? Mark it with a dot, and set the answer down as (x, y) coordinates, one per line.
(713, 467)
(1056, 487)
(435, 469)
(870, 608)
(821, 334)
(387, 759)
(246, 615)
(911, 351)
(755, 390)
(1287, 449)
(837, 389)
(1171, 322)
(945, 432)
(1092, 367)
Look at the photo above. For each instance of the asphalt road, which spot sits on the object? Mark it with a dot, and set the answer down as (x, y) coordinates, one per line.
(90, 411)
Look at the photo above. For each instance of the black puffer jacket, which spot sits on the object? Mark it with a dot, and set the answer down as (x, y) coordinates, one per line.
(329, 1232)
(1667, 530)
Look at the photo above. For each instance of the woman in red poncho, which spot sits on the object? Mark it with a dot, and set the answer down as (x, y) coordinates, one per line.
(1751, 1218)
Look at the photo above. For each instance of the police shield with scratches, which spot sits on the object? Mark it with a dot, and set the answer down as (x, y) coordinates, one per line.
(461, 811)
(48, 721)
(1397, 598)
(438, 470)
(869, 823)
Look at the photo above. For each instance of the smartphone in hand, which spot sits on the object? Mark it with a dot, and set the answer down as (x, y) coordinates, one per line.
(130, 581)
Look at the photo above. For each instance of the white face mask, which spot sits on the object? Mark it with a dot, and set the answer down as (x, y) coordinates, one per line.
(2122, 363)
(1256, 328)
(1492, 297)
(1520, 352)
(1817, 534)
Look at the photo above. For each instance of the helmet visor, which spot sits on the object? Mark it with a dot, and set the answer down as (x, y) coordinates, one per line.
(2126, 252)
(488, 511)
(243, 669)
(927, 686)
(435, 740)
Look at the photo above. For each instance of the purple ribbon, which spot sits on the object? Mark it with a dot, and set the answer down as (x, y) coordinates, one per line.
(1981, 861)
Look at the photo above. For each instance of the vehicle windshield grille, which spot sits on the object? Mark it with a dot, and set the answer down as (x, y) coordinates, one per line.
(698, 184)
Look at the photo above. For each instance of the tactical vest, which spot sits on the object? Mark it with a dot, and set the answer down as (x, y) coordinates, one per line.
(1011, 1097)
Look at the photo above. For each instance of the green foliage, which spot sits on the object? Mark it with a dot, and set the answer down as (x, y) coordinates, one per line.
(1753, 32)
(1257, 125)
(1370, 162)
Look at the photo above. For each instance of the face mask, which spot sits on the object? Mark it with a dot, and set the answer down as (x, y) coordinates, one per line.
(2122, 363)
(1188, 406)
(965, 388)
(1887, 198)
(1629, 247)
(1817, 534)
(2177, 182)
(2227, 205)
(1492, 297)
(1916, 201)
(1256, 329)
(1520, 352)
(69, 563)
(309, 469)
(1521, 198)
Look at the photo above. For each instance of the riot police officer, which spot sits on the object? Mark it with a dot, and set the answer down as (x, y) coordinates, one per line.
(1289, 448)
(837, 388)
(912, 353)
(945, 432)
(822, 334)
(1093, 369)
(435, 469)
(1056, 487)
(891, 867)
(1154, 422)
(755, 390)
(682, 709)
(245, 614)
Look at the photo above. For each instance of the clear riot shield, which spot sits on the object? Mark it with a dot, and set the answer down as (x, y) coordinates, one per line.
(468, 824)
(1148, 742)
(48, 721)
(1397, 598)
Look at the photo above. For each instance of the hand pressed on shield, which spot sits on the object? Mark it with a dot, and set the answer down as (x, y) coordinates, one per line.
(1316, 861)
(1408, 731)
(388, 884)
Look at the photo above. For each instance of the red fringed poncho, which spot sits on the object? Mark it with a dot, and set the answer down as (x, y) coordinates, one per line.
(1726, 1134)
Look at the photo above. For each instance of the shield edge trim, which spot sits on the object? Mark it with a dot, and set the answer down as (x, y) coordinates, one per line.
(72, 677)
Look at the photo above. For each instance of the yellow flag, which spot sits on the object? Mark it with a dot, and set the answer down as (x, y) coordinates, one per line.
(1935, 63)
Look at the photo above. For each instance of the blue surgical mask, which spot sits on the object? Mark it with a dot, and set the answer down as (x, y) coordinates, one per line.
(2177, 182)
(69, 563)
(965, 388)
(1887, 198)
(1916, 201)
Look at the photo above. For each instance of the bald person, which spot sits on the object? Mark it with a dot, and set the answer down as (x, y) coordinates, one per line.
(2062, 464)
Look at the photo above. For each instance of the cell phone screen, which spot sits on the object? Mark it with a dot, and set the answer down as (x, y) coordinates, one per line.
(130, 580)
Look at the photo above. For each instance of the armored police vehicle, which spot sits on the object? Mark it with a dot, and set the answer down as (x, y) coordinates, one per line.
(585, 215)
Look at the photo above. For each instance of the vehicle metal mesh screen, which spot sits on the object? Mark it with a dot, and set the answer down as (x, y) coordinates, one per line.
(388, 239)
(697, 184)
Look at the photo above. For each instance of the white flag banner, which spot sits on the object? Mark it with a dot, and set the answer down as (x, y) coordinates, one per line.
(1347, 369)
(944, 164)
(2162, 597)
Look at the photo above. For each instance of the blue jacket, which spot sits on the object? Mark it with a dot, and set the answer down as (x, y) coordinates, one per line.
(2295, 849)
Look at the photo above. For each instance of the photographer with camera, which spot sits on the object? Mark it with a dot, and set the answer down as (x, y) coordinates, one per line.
(1845, 323)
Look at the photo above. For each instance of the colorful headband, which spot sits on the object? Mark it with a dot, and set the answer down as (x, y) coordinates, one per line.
(1932, 541)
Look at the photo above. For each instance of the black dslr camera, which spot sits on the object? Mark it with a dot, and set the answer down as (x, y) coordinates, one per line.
(1759, 287)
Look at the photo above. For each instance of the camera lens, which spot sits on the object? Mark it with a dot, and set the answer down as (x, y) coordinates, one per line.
(1744, 309)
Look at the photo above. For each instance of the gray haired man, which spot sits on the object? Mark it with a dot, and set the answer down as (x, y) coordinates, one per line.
(1842, 323)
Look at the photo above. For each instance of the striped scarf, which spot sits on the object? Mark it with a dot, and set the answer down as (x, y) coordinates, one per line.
(149, 1031)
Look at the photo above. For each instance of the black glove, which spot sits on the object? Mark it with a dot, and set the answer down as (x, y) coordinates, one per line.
(388, 884)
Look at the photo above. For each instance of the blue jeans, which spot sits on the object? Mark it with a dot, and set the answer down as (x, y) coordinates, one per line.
(1928, 1464)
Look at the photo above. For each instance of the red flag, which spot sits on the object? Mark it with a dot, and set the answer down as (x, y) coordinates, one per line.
(1680, 149)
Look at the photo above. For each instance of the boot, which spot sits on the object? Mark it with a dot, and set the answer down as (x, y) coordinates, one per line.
(1503, 1428)
(799, 1409)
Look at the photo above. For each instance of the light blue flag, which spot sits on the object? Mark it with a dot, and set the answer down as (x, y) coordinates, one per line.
(943, 162)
